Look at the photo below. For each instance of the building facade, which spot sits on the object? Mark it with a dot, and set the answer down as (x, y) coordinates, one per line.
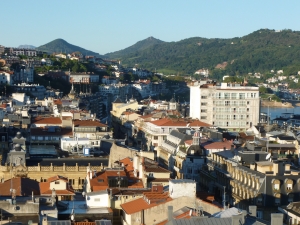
(229, 106)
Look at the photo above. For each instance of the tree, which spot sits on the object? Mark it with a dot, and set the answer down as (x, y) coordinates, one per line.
(75, 68)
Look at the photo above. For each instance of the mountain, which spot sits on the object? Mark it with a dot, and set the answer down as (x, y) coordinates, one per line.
(60, 45)
(260, 51)
(139, 46)
(27, 46)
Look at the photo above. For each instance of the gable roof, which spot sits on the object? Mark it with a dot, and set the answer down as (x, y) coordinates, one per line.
(45, 187)
(47, 120)
(142, 204)
(57, 177)
(168, 122)
(118, 100)
(198, 123)
(23, 187)
(217, 145)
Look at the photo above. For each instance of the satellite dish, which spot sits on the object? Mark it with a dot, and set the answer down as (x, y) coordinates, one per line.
(268, 156)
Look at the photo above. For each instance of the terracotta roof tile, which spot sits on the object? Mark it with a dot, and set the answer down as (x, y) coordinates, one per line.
(47, 120)
(57, 102)
(217, 145)
(168, 122)
(45, 187)
(57, 177)
(143, 203)
(198, 123)
(23, 187)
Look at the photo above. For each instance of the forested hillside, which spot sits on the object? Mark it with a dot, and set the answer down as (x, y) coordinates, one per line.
(260, 51)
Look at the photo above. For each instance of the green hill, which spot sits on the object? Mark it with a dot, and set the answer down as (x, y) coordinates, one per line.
(139, 46)
(60, 45)
(260, 51)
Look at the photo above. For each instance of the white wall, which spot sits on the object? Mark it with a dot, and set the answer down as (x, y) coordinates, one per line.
(58, 185)
(183, 187)
(97, 200)
(195, 102)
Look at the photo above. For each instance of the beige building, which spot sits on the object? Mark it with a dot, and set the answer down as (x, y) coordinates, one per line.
(74, 169)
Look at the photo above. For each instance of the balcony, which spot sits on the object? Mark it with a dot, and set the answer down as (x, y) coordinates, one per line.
(155, 131)
(218, 166)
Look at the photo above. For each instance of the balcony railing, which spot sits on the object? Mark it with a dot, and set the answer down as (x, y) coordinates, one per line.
(218, 166)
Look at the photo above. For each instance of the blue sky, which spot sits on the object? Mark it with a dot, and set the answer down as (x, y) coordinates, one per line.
(107, 26)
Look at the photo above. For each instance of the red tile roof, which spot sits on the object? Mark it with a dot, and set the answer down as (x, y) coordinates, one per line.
(45, 187)
(22, 186)
(149, 200)
(198, 123)
(57, 102)
(168, 122)
(218, 145)
(57, 177)
(47, 120)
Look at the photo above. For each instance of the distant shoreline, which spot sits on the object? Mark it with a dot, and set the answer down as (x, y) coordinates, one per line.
(273, 104)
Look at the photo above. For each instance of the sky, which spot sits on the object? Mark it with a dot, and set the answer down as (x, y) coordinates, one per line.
(107, 26)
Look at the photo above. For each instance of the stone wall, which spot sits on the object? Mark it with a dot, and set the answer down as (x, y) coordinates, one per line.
(119, 152)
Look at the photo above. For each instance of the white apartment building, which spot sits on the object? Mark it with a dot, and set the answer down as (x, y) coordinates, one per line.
(5, 78)
(229, 106)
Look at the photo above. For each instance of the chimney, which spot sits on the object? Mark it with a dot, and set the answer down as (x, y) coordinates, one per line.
(252, 166)
(244, 214)
(287, 167)
(44, 222)
(278, 167)
(235, 220)
(252, 210)
(232, 148)
(276, 218)
(170, 213)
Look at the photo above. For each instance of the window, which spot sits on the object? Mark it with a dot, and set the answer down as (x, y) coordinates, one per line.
(150, 175)
(57, 182)
(276, 186)
(155, 137)
(203, 97)
(203, 117)
(203, 103)
(289, 186)
(3, 138)
(203, 110)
